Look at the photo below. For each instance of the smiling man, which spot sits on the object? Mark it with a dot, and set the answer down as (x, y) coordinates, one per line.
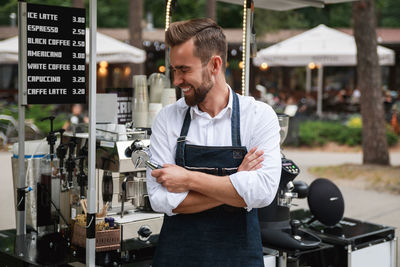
(220, 155)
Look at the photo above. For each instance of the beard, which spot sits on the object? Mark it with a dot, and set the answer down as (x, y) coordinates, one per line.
(200, 92)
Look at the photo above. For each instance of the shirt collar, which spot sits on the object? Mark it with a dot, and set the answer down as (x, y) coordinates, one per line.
(195, 111)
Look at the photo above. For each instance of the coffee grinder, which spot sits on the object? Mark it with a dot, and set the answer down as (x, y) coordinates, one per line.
(278, 231)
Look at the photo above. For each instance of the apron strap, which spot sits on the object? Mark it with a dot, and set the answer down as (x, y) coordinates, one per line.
(235, 130)
(235, 120)
(180, 147)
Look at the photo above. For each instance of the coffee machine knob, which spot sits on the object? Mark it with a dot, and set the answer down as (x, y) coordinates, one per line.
(295, 224)
(144, 232)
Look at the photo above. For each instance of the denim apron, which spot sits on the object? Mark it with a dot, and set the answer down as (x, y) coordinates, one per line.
(221, 236)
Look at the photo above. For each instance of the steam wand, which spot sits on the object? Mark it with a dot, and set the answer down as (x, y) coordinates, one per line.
(70, 162)
(82, 177)
(51, 137)
(61, 151)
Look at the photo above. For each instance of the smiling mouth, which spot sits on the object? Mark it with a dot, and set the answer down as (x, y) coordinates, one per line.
(185, 89)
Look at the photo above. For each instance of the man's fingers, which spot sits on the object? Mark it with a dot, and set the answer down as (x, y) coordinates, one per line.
(255, 155)
(251, 152)
(259, 152)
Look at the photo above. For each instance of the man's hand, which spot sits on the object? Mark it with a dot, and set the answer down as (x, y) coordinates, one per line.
(174, 178)
(252, 161)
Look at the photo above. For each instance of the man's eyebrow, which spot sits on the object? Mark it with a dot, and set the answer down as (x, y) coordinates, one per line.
(178, 67)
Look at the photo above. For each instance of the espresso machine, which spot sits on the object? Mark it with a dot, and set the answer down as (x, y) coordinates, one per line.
(278, 230)
(121, 181)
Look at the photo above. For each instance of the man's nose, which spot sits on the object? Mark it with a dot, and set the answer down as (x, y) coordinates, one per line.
(178, 78)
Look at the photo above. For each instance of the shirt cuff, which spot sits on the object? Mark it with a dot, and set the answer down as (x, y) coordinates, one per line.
(174, 199)
(235, 180)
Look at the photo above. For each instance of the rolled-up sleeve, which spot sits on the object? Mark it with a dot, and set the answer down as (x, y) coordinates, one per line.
(160, 199)
(258, 188)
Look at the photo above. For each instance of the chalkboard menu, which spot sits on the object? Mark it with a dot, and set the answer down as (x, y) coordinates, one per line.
(55, 55)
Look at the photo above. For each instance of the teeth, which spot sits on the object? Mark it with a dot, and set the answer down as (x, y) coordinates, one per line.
(185, 89)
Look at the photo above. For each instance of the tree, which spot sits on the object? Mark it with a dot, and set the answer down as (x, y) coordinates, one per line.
(135, 30)
(211, 9)
(374, 143)
(78, 3)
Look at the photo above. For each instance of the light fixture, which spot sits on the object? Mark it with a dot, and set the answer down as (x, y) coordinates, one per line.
(168, 15)
(311, 65)
(241, 64)
(161, 69)
(103, 64)
(264, 66)
(102, 71)
(127, 71)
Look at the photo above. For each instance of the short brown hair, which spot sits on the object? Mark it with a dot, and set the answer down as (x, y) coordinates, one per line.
(207, 35)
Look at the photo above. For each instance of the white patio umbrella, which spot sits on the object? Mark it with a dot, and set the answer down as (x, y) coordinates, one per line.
(279, 5)
(321, 45)
(108, 49)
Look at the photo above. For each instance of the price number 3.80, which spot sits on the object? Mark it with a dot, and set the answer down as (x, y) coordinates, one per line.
(78, 19)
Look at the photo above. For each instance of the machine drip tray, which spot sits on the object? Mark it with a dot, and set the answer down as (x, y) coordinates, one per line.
(348, 231)
(353, 243)
(132, 216)
(283, 239)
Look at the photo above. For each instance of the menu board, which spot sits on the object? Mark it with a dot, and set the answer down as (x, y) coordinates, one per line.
(56, 58)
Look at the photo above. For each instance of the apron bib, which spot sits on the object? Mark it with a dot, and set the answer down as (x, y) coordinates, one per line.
(221, 236)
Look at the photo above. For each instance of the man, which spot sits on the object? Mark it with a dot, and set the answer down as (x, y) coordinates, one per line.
(210, 186)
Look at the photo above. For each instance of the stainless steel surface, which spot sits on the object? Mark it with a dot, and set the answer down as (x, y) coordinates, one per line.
(114, 152)
(140, 191)
(132, 222)
(117, 160)
(32, 178)
(22, 101)
(91, 242)
(283, 120)
(152, 165)
(285, 198)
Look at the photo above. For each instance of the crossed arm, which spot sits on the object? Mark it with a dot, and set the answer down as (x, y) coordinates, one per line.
(205, 191)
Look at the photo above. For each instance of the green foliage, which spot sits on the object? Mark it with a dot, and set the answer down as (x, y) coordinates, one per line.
(184, 9)
(6, 8)
(36, 113)
(316, 133)
(268, 20)
(392, 138)
(115, 13)
(228, 15)
(388, 13)
(234, 64)
(111, 13)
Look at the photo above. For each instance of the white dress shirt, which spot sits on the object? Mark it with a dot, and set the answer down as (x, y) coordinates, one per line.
(259, 128)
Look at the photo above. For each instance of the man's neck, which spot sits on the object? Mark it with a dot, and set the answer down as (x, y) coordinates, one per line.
(216, 100)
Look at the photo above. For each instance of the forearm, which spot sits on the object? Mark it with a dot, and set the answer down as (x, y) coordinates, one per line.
(219, 188)
(196, 202)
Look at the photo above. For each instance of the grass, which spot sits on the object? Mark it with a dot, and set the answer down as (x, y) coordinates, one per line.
(375, 177)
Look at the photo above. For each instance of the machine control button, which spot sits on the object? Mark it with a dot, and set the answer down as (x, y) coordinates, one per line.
(144, 232)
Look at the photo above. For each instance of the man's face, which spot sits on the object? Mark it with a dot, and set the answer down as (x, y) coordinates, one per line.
(189, 74)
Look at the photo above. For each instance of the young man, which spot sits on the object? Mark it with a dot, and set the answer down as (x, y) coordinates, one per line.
(210, 186)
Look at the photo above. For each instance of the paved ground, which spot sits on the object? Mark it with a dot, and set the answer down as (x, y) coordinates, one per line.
(361, 204)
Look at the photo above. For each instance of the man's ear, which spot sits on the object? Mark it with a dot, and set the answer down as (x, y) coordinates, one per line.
(216, 64)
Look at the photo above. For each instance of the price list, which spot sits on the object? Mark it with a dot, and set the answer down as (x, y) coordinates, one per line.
(56, 58)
